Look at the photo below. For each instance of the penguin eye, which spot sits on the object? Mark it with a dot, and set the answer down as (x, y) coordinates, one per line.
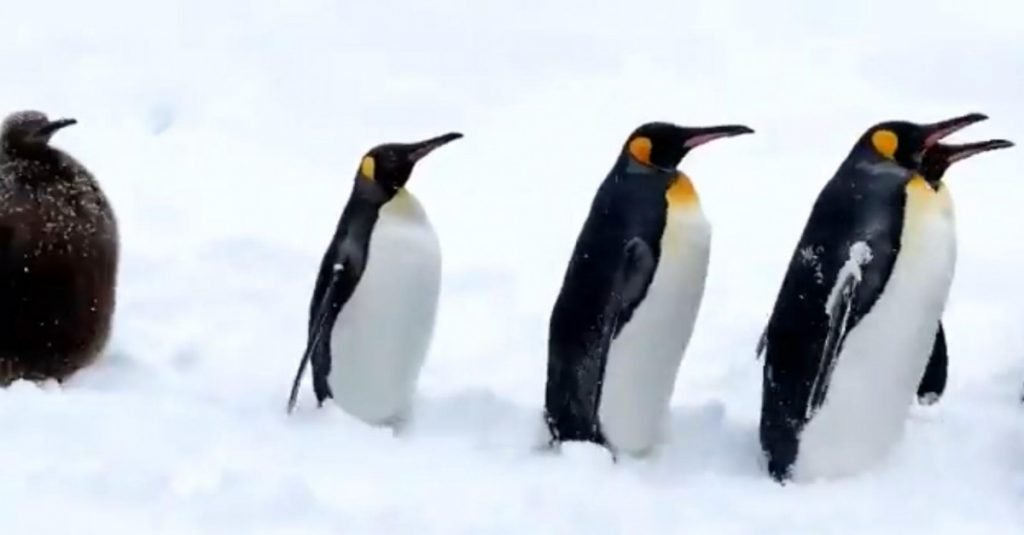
(368, 167)
(640, 149)
(885, 142)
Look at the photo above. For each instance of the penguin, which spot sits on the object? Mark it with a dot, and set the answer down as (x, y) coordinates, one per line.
(630, 295)
(59, 249)
(855, 319)
(372, 312)
(933, 166)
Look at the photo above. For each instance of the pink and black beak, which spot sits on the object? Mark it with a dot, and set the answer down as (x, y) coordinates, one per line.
(935, 132)
(694, 137)
(940, 156)
(416, 151)
(47, 130)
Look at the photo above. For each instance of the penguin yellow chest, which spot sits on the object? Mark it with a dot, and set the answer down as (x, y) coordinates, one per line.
(885, 354)
(644, 359)
(381, 338)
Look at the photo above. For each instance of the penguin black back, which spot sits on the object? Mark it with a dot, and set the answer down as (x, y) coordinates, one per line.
(58, 255)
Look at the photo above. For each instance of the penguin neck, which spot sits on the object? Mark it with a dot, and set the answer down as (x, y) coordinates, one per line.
(368, 205)
(681, 193)
(40, 166)
(866, 159)
(932, 181)
(403, 205)
(30, 152)
(629, 166)
(933, 173)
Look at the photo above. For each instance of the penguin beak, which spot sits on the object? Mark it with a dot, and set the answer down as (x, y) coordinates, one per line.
(955, 153)
(47, 130)
(937, 131)
(700, 136)
(418, 150)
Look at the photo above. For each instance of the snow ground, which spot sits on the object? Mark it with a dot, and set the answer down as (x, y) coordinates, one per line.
(227, 136)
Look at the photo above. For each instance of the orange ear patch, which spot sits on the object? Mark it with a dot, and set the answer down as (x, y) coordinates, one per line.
(681, 193)
(885, 142)
(368, 167)
(640, 149)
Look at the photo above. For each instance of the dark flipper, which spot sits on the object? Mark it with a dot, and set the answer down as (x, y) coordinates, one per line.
(933, 383)
(578, 419)
(340, 272)
(839, 309)
(318, 347)
(631, 282)
(785, 413)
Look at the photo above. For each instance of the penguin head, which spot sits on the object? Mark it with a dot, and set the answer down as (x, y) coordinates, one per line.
(941, 155)
(387, 167)
(28, 133)
(905, 142)
(663, 145)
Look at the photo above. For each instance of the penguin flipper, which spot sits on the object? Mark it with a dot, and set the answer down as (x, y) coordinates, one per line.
(571, 412)
(838, 308)
(318, 348)
(628, 288)
(335, 284)
(933, 383)
(631, 282)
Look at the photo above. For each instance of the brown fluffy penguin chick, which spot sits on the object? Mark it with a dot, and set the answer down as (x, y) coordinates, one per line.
(58, 255)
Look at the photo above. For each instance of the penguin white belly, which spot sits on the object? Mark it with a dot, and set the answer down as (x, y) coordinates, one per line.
(381, 337)
(643, 361)
(882, 360)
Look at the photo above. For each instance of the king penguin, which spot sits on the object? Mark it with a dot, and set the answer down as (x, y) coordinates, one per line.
(58, 267)
(933, 167)
(856, 317)
(371, 316)
(630, 295)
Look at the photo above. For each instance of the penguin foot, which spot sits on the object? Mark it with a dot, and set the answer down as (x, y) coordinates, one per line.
(547, 447)
(400, 425)
(928, 399)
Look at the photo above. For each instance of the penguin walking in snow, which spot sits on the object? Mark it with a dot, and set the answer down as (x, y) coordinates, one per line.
(58, 255)
(630, 296)
(371, 316)
(855, 319)
(933, 166)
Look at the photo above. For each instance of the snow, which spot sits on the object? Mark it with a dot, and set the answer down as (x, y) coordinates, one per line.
(860, 255)
(227, 138)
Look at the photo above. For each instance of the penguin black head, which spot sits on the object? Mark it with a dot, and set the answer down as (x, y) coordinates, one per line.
(27, 133)
(389, 166)
(905, 142)
(663, 145)
(940, 156)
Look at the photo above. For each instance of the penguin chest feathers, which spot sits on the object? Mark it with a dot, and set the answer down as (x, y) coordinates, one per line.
(57, 218)
(644, 358)
(885, 354)
(381, 337)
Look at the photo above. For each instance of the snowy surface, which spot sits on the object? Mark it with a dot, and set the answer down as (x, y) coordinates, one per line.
(227, 135)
